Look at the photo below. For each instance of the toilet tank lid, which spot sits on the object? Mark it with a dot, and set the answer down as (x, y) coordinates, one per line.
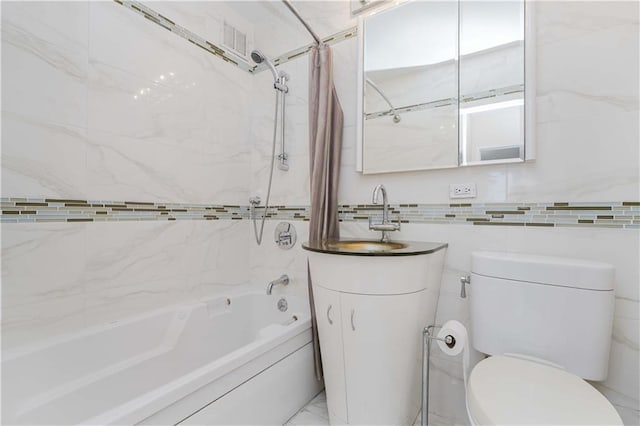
(549, 270)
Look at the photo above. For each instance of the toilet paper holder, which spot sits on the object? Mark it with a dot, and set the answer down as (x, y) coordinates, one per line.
(427, 337)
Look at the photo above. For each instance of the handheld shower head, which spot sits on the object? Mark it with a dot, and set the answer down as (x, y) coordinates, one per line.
(259, 57)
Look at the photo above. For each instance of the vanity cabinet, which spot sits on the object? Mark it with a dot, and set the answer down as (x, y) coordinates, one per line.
(372, 301)
(371, 355)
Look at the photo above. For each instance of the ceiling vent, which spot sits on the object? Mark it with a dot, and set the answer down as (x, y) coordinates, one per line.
(234, 39)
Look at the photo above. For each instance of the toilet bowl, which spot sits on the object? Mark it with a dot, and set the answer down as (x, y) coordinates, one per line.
(545, 323)
(505, 390)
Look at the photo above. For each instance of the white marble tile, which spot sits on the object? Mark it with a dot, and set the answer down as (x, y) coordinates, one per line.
(558, 21)
(626, 407)
(134, 267)
(223, 247)
(624, 361)
(41, 159)
(122, 167)
(589, 174)
(126, 104)
(288, 188)
(41, 262)
(153, 52)
(431, 186)
(47, 79)
(128, 254)
(580, 106)
(63, 23)
(314, 413)
(163, 86)
(446, 392)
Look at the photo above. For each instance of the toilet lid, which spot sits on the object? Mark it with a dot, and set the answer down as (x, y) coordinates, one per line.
(505, 390)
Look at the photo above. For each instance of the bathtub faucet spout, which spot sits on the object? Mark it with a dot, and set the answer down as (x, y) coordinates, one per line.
(283, 280)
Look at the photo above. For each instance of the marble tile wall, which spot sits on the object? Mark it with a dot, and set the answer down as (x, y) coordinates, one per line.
(587, 151)
(99, 103)
(160, 120)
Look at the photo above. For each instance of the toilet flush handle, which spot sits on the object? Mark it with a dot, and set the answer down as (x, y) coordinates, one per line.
(465, 279)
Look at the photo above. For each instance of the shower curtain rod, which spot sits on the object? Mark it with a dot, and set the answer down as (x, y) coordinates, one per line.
(302, 21)
(392, 110)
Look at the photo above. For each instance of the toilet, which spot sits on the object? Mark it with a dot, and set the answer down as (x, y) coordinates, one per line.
(545, 323)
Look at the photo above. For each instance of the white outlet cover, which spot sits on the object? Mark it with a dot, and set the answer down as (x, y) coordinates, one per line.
(462, 190)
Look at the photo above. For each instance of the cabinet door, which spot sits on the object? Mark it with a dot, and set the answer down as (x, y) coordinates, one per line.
(382, 338)
(328, 312)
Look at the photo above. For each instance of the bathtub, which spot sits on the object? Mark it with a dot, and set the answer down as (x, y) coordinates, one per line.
(229, 360)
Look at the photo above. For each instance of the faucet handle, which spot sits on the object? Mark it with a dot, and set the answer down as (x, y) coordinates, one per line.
(464, 280)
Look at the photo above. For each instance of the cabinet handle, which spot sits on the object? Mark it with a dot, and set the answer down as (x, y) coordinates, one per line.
(353, 326)
(328, 317)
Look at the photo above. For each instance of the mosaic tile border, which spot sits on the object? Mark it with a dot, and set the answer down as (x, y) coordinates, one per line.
(622, 215)
(19, 210)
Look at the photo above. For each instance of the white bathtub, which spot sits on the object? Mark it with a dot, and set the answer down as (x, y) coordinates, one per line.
(225, 361)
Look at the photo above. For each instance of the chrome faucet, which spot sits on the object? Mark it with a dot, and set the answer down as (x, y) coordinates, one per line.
(386, 225)
(283, 280)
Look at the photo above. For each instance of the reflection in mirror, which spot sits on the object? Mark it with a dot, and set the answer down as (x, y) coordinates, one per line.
(361, 6)
(443, 85)
(410, 81)
(491, 81)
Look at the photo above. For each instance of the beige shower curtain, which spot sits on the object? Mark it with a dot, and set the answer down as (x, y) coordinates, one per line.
(325, 144)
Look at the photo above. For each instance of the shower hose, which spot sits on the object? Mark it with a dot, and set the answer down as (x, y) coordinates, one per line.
(257, 234)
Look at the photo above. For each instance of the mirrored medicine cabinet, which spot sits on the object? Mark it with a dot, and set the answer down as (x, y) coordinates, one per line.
(445, 84)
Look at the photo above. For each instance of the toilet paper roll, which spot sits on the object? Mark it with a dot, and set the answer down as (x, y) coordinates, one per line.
(459, 332)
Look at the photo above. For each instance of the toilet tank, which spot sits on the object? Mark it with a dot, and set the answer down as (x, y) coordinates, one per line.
(556, 309)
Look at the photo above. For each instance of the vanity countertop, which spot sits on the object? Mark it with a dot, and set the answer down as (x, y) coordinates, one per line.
(363, 247)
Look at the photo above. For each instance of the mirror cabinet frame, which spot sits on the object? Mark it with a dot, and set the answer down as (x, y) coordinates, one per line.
(529, 89)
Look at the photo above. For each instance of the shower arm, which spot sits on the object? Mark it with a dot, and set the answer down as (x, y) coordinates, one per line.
(302, 21)
(396, 117)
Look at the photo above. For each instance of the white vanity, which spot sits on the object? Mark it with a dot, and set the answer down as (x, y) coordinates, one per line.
(372, 301)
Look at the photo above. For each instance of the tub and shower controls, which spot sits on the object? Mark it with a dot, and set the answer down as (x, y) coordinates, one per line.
(285, 235)
(283, 305)
(283, 280)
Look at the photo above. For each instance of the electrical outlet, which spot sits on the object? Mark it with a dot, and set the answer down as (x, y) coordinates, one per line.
(462, 190)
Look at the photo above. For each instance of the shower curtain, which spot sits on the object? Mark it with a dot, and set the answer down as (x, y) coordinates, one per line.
(325, 144)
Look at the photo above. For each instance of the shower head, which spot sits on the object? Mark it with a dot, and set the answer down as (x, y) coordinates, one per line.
(259, 57)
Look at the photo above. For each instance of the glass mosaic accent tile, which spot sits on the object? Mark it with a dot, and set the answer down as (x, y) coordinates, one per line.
(619, 214)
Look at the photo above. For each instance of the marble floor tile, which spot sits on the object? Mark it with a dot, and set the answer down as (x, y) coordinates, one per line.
(314, 413)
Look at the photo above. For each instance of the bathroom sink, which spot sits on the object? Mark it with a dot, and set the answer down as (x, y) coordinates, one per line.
(365, 245)
(359, 247)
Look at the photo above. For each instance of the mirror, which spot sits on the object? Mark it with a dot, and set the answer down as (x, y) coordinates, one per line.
(442, 84)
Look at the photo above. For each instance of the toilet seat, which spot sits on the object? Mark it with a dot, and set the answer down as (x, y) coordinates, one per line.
(504, 390)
